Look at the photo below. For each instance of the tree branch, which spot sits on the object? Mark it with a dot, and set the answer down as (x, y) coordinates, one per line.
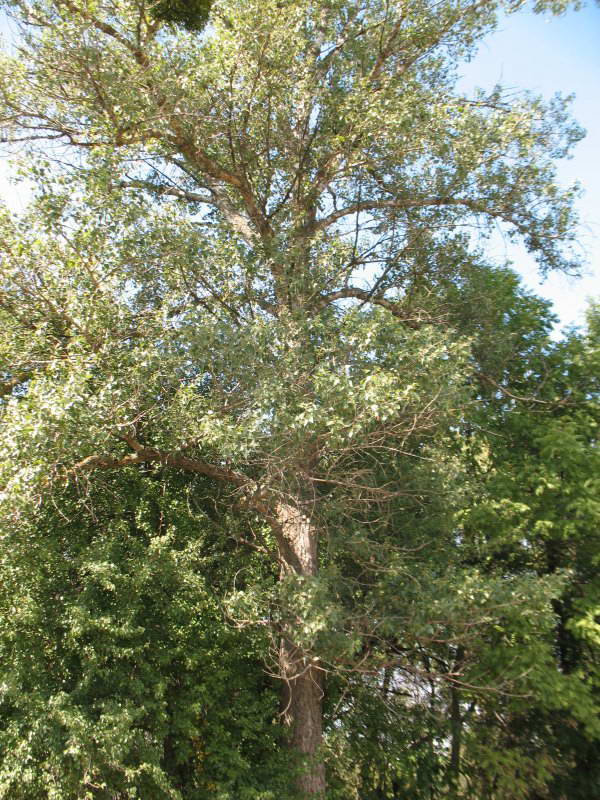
(477, 207)
(109, 30)
(398, 204)
(253, 497)
(522, 398)
(214, 174)
(368, 297)
(172, 191)
(146, 455)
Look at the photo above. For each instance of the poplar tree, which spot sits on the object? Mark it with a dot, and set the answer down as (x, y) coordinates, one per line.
(237, 266)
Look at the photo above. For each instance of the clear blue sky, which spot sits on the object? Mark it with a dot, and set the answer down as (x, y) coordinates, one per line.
(547, 55)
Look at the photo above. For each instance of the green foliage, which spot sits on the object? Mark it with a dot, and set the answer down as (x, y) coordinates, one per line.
(271, 421)
(538, 515)
(119, 676)
(192, 14)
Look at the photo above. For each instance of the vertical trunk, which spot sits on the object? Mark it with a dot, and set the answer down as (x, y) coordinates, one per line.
(301, 702)
(455, 741)
(302, 692)
(456, 726)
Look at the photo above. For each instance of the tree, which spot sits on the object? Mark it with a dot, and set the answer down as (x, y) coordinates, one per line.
(116, 662)
(237, 267)
(528, 515)
(539, 514)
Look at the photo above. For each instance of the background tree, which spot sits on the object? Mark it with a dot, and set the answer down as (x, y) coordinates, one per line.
(539, 515)
(116, 660)
(436, 725)
(237, 267)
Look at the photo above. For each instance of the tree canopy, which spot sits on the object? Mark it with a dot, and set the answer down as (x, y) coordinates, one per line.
(273, 425)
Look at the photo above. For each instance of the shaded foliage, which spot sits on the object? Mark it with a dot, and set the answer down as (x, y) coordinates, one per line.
(120, 677)
(192, 14)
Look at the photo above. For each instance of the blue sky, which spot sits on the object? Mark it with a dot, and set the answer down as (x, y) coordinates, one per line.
(547, 55)
(544, 54)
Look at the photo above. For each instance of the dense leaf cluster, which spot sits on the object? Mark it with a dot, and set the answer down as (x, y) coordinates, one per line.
(192, 14)
(120, 675)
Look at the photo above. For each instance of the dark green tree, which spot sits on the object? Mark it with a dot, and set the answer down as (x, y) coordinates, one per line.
(120, 676)
(505, 705)
(535, 452)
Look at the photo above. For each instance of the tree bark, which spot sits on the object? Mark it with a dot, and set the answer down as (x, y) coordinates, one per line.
(302, 691)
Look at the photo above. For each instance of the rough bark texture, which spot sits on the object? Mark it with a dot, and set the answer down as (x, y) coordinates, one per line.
(302, 691)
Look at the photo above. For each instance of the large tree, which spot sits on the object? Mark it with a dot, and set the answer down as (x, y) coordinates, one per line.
(238, 266)
(529, 510)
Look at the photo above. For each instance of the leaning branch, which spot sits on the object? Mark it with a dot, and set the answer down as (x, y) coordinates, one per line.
(396, 309)
(145, 455)
(253, 497)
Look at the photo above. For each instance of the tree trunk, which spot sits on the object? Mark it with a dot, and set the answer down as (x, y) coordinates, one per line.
(456, 727)
(302, 691)
(455, 742)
